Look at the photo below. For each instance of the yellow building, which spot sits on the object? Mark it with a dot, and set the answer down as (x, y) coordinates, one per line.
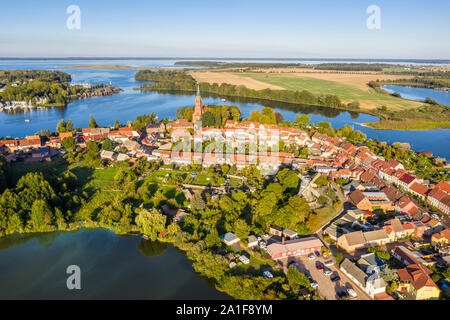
(441, 238)
(416, 282)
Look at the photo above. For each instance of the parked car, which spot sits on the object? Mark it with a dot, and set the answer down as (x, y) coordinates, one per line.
(327, 272)
(314, 285)
(293, 263)
(342, 294)
(311, 257)
(317, 254)
(351, 293)
(335, 278)
(319, 266)
(329, 263)
(267, 274)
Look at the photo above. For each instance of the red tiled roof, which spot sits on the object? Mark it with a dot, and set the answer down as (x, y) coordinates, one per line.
(420, 189)
(407, 178)
(444, 186)
(418, 275)
(443, 234)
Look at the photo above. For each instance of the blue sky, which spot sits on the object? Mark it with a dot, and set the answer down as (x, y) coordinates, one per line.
(213, 28)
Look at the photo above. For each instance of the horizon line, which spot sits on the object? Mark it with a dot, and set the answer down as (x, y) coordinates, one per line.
(222, 58)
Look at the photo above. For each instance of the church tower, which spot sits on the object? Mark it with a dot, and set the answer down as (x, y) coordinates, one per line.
(198, 108)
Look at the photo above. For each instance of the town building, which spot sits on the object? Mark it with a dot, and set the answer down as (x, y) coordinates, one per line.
(292, 248)
(230, 239)
(415, 281)
(371, 201)
(372, 283)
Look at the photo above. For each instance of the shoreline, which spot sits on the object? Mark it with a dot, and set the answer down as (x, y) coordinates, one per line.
(112, 66)
(424, 126)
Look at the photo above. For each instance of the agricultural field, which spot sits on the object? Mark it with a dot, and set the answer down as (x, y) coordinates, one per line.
(231, 78)
(348, 92)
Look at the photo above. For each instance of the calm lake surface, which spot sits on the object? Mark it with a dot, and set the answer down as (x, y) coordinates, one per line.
(420, 94)
(131, 103)
(112, 267)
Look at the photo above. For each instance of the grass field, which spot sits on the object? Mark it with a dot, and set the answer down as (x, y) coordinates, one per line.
(410, 124)
(369, 99)
(19, 169)
(323, 216)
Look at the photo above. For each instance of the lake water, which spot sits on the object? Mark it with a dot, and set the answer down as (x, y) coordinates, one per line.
(131, 103)
(112, 267)
(420, 94)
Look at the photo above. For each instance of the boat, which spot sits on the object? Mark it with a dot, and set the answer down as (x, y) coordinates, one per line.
(224, 100)
(26, 120)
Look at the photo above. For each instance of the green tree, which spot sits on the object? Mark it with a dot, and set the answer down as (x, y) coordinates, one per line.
(69, 144)
(339, 257)
(40, 216)
(69, 125)
(212, 239)
(151, 223)
(208, 119)
(173, 228)
(92, 123)
(107, 145)
(296, 278)
(61, 126)
(241, 229)
(288, 179)
(197, 202)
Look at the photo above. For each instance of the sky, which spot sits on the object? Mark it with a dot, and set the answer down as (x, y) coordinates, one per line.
(409, 29)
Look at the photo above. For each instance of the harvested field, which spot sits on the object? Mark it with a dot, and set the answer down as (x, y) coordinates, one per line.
(231, 78)
(368, 98)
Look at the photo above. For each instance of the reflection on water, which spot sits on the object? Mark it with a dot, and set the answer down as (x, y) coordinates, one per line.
(112, 267)
(420, 94)
(151, 248)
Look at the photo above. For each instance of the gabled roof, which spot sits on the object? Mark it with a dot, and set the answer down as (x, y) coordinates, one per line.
(420, 189)
(230, 237)
(356, 197)
(407, 178)
(355, 238)
(445, 234)
(354, 271)
(395, 224)
(444, 186)
(376, 235)
(418, 275)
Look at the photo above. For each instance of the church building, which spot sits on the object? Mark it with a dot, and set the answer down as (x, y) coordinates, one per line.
(199, 108)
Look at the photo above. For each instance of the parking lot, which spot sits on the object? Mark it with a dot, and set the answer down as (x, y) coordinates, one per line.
(327, 289)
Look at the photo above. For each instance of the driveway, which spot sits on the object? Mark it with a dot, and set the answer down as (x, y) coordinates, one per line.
(327, 289)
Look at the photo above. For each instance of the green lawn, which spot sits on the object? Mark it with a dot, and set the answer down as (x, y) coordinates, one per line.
(324, 215)
(346, 92)
(106, 174)
(19, 169)
(184, 177)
